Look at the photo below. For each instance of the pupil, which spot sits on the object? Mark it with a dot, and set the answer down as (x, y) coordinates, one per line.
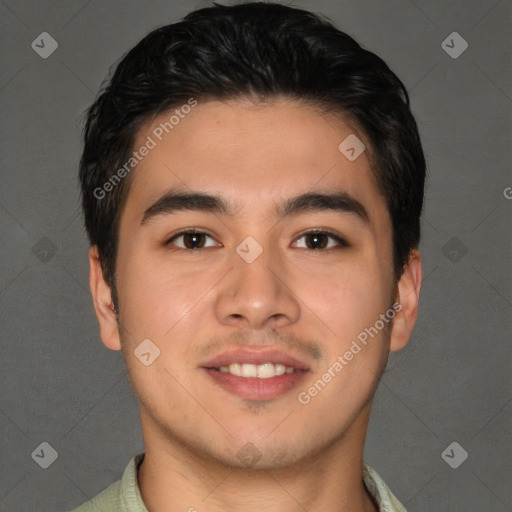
(316, 243)
(193, 238)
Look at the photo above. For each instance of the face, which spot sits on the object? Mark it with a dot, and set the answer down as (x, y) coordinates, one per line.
(257, 311)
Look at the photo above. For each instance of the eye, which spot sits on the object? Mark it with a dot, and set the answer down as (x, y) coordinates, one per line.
(320, 240)
(191, 240)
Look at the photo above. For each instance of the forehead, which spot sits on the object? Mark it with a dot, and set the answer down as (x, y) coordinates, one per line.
(252, 154)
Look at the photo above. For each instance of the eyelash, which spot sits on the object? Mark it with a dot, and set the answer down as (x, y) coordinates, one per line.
(341, 242)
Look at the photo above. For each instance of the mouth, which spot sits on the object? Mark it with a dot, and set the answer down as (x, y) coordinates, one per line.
(256, 374)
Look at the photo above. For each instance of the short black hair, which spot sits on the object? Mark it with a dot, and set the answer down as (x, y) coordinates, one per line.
(259, 49)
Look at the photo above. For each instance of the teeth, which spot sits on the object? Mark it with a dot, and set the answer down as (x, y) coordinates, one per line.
(263, 371)
(235, 369)
(280, 369)
(249, 370)
(266, 370)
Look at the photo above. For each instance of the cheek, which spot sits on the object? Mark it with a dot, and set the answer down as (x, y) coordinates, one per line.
(158, 300)
(348, 299)
(145, 301)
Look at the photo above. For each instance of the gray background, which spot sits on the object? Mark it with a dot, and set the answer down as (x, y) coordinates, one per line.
(60, 385)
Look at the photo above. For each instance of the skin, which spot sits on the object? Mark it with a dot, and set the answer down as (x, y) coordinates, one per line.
(312, 303)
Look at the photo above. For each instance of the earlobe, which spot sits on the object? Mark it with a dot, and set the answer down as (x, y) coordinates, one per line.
(408, 294)
(102, 298)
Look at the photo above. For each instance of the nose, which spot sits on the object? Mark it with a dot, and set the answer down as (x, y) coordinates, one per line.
(257, 294)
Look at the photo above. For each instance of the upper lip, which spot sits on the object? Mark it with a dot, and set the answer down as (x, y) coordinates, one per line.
(255, 356)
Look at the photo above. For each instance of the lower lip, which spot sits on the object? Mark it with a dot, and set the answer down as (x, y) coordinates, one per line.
(254, 388)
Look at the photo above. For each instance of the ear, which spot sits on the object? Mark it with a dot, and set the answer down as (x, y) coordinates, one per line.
(407, 295)
(102, 298)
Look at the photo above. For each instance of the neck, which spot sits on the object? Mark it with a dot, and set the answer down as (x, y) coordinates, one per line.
(177, 477)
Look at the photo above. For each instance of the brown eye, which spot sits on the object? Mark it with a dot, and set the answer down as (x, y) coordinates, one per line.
(191, 240)
(320, 240)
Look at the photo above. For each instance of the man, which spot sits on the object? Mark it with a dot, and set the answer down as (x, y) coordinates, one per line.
(252, 184)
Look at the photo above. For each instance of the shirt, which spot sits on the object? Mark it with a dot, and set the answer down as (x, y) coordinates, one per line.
(124, 495)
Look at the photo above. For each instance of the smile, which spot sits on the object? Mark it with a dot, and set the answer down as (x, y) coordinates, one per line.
(256, 373)
(261, 371)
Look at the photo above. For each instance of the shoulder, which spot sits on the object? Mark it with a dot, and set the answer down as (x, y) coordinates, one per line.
(376, 486)
(121, 496)
(107, 500)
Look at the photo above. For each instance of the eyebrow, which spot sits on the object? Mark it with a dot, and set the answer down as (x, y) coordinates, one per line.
(339, 201)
